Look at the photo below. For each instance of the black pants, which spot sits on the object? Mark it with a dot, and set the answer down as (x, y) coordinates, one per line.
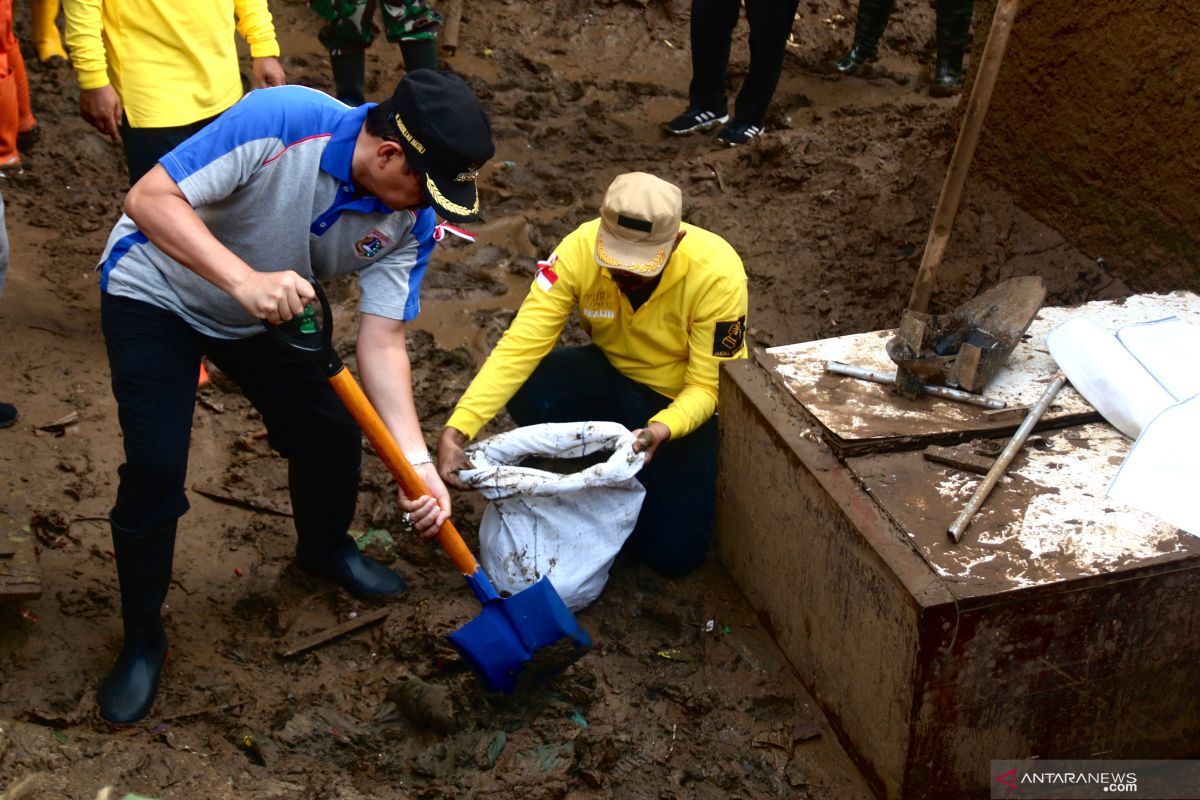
(145, 146)
(953, 27)
(713, 22)
(575, 384)
(154, 357)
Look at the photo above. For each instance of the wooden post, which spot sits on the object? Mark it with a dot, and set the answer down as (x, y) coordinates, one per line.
(453, 19)
(964, 149)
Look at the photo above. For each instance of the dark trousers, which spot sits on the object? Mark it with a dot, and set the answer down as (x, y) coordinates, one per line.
(145, 146)
(675, 525)
(154, 357)
(953, 27)
(713, 22)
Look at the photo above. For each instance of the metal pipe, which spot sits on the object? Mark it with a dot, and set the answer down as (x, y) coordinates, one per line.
(1005, 458)
(865, 374)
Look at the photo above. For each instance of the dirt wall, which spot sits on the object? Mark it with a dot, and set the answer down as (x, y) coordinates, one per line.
(1093, 128)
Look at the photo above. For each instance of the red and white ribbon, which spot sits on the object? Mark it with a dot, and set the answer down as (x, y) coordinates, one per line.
(546, 276)
(441, 229)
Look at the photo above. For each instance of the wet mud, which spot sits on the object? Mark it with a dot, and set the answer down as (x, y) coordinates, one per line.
(684, 694)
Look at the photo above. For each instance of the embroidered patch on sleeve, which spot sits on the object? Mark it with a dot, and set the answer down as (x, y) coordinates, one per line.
(728, 338)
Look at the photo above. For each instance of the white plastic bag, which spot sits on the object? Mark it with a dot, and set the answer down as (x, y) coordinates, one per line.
(566, 527)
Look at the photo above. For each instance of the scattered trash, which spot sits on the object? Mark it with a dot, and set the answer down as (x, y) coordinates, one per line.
(223, 495)
(379, 536)
(496, 747)
(578, 718)
(426, 705)
(59, 426)
(710, 625)
(237, 571)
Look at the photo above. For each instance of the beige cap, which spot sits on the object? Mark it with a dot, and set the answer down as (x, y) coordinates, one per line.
(638, 224)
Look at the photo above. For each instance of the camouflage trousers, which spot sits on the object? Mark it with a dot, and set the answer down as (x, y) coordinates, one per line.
(351, 23)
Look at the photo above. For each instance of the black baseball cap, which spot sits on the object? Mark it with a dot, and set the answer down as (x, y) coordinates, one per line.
(446, 135)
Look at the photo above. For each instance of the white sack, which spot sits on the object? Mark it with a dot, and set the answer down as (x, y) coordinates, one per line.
(566, 527)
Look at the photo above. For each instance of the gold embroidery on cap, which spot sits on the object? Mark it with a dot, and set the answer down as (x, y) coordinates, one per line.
(420, 148)
(448, 204)
(609, 261)
(467, 176)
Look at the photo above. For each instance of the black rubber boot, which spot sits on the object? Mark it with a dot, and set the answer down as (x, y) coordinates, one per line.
(323, 508)
(419, 54)
(144, 572)
(850, 63)
(868, 30)
(349, 71)
(953, 28)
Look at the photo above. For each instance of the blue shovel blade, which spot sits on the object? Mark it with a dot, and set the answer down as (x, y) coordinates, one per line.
(530, 636)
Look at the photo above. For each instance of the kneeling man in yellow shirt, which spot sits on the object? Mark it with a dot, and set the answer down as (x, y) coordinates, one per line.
(664, 303)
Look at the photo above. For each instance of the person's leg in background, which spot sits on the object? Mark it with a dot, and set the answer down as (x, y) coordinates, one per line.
(46, 38)
(8, 412)
(145, 146)
(18, 127)
(712, 27)
(347, 33)
(770, 25)
(872, 19)
(414, 26)
(152, 356)
(675, 524)
(953, 29)
(309, 426)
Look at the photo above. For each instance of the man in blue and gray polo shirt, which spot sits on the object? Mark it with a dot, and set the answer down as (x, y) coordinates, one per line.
(223, 235)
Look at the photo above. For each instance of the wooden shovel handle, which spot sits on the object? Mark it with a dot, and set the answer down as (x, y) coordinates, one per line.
(386, 448)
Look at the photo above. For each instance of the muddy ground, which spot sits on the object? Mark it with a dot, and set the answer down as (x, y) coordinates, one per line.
(684, 694)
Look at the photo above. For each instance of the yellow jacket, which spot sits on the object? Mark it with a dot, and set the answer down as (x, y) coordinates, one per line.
(673, 343)
(172, 62)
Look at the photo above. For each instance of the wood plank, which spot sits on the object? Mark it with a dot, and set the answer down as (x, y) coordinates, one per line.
(20, 576)
(960, 457)
(328, 635)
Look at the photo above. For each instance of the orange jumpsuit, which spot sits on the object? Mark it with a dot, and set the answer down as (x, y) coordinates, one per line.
(16, 115)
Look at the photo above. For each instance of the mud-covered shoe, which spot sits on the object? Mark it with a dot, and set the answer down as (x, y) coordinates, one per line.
(947, 79)
(694, 120)
(854, 60)
(8, 414)
(736, 133)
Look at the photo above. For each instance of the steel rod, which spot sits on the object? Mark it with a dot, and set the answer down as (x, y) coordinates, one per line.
(865, 374)
(1005, 458)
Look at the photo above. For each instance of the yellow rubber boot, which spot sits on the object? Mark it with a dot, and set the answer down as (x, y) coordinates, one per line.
(45, 33)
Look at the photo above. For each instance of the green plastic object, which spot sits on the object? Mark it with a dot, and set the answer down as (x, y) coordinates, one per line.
(308, 320)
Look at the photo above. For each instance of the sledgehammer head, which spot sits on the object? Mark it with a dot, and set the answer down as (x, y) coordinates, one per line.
(520, 640)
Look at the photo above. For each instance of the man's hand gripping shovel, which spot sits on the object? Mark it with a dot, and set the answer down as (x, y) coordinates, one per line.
(528, 637)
